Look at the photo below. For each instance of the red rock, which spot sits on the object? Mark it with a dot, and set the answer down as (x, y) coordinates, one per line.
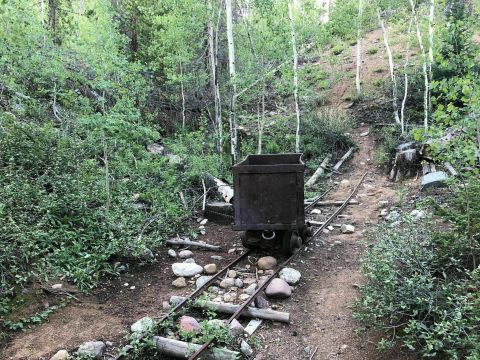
(278, 289)
(189, 324)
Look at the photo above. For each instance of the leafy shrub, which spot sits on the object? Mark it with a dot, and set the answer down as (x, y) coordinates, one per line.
(422, 289)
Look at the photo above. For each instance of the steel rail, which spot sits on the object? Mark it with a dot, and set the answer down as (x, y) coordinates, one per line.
(309, 206)
(271, 277)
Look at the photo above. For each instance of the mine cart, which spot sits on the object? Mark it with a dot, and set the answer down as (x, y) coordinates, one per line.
(268, 201)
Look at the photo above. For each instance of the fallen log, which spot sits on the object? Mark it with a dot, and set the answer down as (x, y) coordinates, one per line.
(219, 212)
(319, 172)
(181, 349)
(342, 160)
(335, 203)
(320, 223)
(222, 188)
(184, 242)
(251, 312)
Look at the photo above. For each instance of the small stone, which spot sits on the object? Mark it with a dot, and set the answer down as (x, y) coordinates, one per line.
(213, 289)
(238, 283)
(216, 257)
(326, 231)
(108, 343)
(189, 324)
(348, 229)
(126, 284)
(266, 262)
(210, 269)
(291, 276)
(382, 203)
(172, 253)
(236, 329)
(249, 281)
(147, 255)
(392, 216)
(260, 272)
(246, 349)
(204, 222)
(179, 282)
(143, 325)
(261, 302)
(57, 286)
(203, 232)
(345, 182)
(217, 299)
(232, 274)
(189, 261)
(202, 280)
(415, 214)
(307, 349)
(384, 212)
(330, 228)
(316, 212)
(227, 283)
(244, 297)
(247, 266)
(251, 289)
(278, 289)
(132, 287)
(94, 349)
(185, 254)
(230, 297)
(60, 355)
(186, 269)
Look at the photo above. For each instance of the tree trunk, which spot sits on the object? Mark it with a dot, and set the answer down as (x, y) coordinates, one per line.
(295, 76)
(325, 7)
(133, 35)
(183, 350)
(183, 95)
(359, 47)
(52, 19)
(392, 69)
(430, 36)
(233, 96)
(405, 80)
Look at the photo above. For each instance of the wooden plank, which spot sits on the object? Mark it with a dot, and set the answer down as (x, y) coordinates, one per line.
(181, 349)
(252, 326)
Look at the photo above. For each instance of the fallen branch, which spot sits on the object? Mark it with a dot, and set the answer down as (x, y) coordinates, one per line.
(341, 161)
(320, 223)
(184, 242)
(319, 172)
(181, 349)
(223, 189)
(335, 202)
(250, 312)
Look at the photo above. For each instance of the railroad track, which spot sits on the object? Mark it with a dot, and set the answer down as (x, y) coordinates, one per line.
(241, 308)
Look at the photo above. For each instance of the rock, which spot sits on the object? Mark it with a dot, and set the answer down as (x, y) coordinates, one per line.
(232, 274)
(244, 297)
(210, 269)
(278, 289)
(291, 276)
(236, 329)
(417, 214)
(218, 299)
(266, 262)
(202, 280)
(330, 228)
(186, 269)
(238, 283)
(189, 261)
(213, 289)
(203, 232)
(185, 254)
(384, 212)
(347, 229)
(249, 281)
(261, 302)
(132, 287)
(216, 257)
(179, 282)
(204, 222)
(147, 255)
(189, 324)
(337, 242)
(143, 325)
(230, 297)
(60, 355)
(251, 289)
(326, 231)
(94, 349)
(434, 179)
(392, 216)
(382, 203)
(231, 251)
(345, 182)
(227, 283)
(316, 212)
(172, 253)
(57, 286)
(246, 349)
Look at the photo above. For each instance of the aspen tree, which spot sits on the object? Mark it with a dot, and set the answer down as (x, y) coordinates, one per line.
(295, 76)
(359, 46)
(231, 63)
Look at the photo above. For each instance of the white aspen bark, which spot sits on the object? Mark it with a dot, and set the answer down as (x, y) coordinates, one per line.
(261, 122)
(213, 79)
(231, 62)
(392, 69)
(183, 95)
(359, 46)
(295, 76)
(405, 75)
(430, 36)
(424, 66)
(325, 7)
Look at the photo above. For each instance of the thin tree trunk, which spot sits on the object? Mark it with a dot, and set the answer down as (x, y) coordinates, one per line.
(424, 67)
(392, 69)
(183, 95)
(405, 66)
(430, 36)
(295, 76)
(231, 62)
(359, 46)
(213, 78)
(52, 19)
(325, 7)
(261, 122)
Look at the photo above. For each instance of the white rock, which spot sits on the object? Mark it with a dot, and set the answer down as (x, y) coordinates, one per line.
(202, 280)
(246, 349)
(291, 276)
(185, 254)
(348, 229)
(60, 355)
(143, 325)
(204, 222)
(186, 269)
(189, 261)
(232, 274)
(345, 182)
(57, 286)
(330, 228)
(244, 297)
(227, 283)
(172, 253)
(236, 329)
(251, 289)
(238, 283)
(316, 212)
(210, 269)
(94, 349)
(415, 214)
(392, 216)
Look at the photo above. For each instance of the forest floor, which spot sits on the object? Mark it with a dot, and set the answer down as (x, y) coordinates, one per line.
(322, 325)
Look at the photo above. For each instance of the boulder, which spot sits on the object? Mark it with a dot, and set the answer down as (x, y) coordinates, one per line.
(186, 269)
(266, 263)
(261, 302)
(179, 282)
(93, 349)
(189, 324)
(185, 254)
(189, 261)
(434, 179)
(291, 276)
(278, 289)
(210, 269)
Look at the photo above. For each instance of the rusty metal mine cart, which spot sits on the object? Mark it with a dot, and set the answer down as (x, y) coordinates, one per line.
(269, 200)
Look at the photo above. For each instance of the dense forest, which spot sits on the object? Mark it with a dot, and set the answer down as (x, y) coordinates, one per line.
(112, 113)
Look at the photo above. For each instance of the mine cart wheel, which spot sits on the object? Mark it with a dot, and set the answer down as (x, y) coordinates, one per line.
(291, 242)
(307, 232)
(251, 239)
